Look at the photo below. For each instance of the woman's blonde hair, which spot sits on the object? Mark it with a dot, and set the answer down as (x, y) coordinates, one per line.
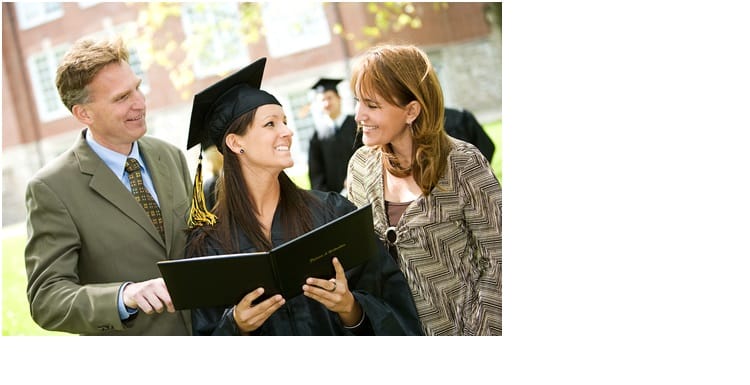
(401, 74)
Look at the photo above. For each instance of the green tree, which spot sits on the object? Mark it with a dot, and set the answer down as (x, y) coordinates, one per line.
(177, 54)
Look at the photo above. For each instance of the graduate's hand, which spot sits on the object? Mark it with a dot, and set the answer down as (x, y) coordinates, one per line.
(249, 316)
(334, 294)
(149, 296)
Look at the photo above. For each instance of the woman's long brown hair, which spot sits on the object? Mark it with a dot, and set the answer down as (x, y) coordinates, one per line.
(401, 74)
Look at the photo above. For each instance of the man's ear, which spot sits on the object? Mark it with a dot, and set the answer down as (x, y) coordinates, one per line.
(413, 109)
(82, 114)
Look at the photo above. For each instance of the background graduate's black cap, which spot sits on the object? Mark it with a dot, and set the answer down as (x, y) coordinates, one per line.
(325, 84)
(216, 107)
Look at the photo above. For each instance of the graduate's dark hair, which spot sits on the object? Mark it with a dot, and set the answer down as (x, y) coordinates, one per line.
(236, 211)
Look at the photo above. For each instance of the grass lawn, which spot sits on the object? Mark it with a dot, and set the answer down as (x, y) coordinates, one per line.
(495, 132)
(16, 319)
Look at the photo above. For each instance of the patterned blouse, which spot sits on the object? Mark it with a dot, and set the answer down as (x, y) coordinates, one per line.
(449, 242)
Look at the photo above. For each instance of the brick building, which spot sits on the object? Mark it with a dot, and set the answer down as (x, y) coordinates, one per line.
(462, 39)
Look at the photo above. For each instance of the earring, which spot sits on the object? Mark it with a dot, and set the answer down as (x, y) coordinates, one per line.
(242, 151)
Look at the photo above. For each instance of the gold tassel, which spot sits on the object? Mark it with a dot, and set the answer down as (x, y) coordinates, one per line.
(199, 214)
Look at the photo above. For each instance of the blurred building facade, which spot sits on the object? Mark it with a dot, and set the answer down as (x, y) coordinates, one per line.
(462, 39)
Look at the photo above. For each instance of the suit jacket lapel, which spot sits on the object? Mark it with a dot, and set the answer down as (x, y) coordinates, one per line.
(104, 182)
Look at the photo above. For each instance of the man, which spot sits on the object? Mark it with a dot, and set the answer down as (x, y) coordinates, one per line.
(93, 246)
(334, 141)
(461, 124)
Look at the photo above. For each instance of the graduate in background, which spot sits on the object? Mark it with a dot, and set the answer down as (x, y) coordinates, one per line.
(259, 207)
(461, 124)
(334, 141)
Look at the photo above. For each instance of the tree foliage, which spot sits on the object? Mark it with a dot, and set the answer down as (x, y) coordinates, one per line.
(178, 54)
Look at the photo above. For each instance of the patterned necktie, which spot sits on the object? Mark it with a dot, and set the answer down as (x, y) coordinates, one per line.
(142, 195)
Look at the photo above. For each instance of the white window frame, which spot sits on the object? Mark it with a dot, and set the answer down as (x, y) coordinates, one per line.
(31, 14)
(294, 29)
(225, 50)
(53, 56)
(127, 31)
(303, 127)
(299, 149)
(46, 81)
(87, 4)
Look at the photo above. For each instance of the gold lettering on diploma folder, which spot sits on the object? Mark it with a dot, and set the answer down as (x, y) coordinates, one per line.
(329, 252)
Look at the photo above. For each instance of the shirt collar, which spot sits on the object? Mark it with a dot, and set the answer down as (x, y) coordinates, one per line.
(114, 160)
(340, 120)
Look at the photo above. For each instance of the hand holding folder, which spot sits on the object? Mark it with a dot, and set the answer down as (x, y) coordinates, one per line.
(223, 280)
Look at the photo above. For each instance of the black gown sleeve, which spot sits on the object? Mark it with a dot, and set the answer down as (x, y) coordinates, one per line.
(214, 322)
(461, 124)
(478, 136)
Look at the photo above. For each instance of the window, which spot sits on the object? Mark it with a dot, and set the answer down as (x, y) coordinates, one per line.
(128, 33)
(444, 76)
(212, 31)
(33, 14)
(87, 4)
(43, 67)
(304, 127)
(135, 64)
(294, 29)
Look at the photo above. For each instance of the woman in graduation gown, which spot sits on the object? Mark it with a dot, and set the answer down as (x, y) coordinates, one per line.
(259, 207)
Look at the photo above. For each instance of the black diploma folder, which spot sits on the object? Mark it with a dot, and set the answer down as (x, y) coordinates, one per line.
(222, 280)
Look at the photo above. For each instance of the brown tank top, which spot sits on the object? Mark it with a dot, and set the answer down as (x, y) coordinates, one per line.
(395, 210)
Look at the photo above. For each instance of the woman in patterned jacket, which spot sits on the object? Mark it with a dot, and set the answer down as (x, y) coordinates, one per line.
(436, 202)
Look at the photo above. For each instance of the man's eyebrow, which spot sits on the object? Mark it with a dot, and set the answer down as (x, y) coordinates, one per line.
(127, 92)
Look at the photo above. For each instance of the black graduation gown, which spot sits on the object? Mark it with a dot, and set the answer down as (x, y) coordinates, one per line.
(378, 286)
(209, 192)
(461, 124)
(328, 158)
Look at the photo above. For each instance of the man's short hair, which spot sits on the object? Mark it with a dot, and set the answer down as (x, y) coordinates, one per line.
(81, 63)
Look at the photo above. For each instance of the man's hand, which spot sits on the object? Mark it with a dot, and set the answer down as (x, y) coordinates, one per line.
(149, 296)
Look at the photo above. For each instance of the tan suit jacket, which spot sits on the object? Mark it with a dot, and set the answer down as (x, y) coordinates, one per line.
(87, 235)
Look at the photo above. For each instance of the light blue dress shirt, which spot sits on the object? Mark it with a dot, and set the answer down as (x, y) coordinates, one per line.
(116, 162)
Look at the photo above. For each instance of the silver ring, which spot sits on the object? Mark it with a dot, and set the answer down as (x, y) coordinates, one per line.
(334, 287)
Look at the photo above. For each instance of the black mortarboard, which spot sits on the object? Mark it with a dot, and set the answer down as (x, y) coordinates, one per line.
(216, 107)
(325, 84)
(214, 110)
